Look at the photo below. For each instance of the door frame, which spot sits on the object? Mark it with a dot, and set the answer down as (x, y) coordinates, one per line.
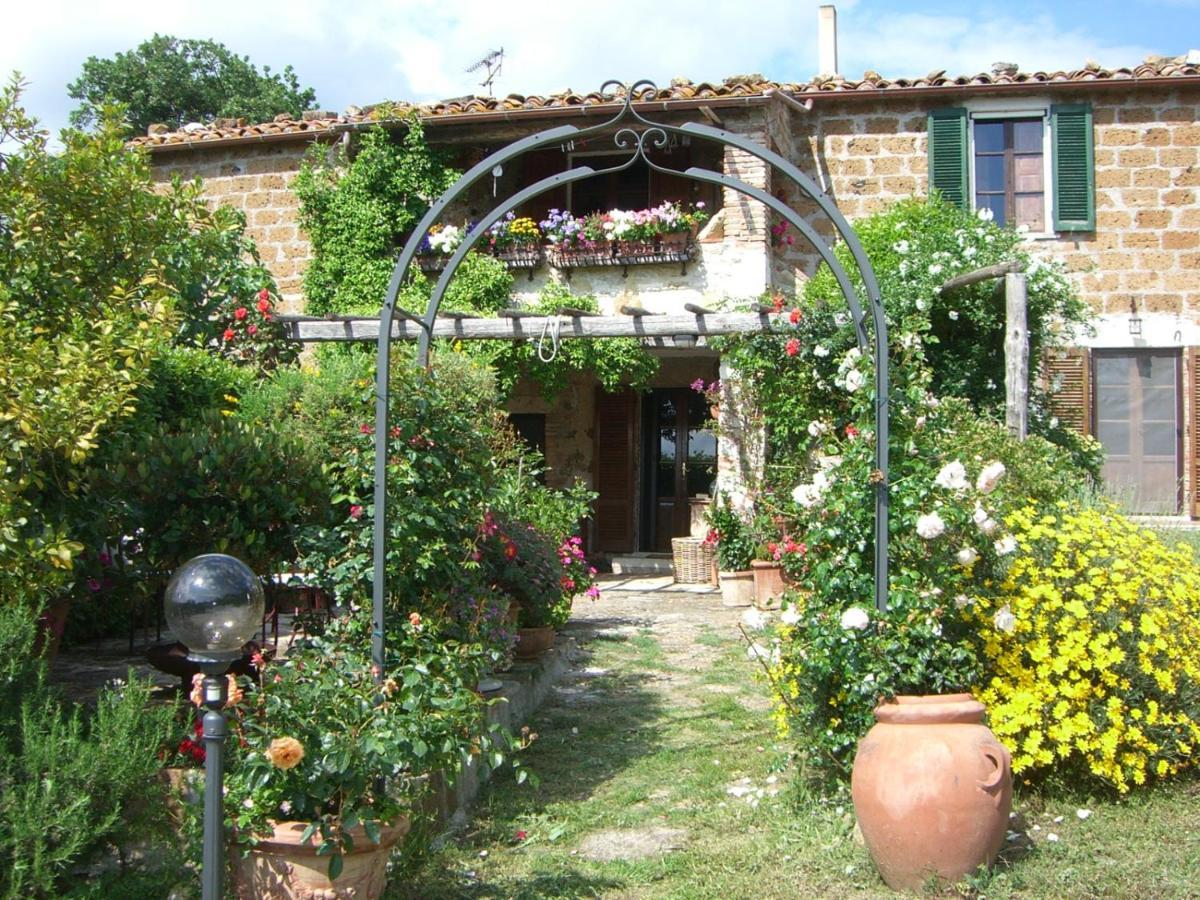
(1176, 353)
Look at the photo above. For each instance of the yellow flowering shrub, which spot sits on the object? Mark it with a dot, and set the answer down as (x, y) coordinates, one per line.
(1093, 642)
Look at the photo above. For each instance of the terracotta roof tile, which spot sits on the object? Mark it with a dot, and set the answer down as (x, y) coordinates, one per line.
(747, 86)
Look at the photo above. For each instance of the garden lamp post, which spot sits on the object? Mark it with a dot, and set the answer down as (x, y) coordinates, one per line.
(213, 605)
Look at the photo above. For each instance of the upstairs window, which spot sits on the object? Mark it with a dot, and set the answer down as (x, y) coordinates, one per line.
(1029, 168)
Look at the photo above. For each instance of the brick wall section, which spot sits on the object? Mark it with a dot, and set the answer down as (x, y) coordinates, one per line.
(1147, 241)
(257, 179)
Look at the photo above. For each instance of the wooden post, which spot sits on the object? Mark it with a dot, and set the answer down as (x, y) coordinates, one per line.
(1016, 356)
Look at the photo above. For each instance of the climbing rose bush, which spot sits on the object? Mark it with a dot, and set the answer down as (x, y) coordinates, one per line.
(1093, 642)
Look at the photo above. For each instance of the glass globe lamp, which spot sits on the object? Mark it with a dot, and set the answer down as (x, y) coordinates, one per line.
(214, 604)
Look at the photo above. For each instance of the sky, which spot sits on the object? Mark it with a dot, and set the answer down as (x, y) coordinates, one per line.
(363, 51)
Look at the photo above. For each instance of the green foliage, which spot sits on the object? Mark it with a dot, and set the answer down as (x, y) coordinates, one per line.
(183, 383)
(357, 213)
(72, 783)
(734, 536)
(174, 81)
(615, 362)
(214, 484)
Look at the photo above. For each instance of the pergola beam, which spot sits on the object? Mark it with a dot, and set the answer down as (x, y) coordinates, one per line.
(347, 329)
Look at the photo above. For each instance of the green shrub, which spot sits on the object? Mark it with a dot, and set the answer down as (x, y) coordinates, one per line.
(74, 784)
(1092, 643)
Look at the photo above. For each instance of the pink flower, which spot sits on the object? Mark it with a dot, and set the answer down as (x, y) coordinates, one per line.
(253, 329)
(593, 592)
(240, 313)
(521, 835)
(851, 432)
(355, 511)
(93, 585)
(792, 347)
(263, 304)
(264, 296)
(365, 428)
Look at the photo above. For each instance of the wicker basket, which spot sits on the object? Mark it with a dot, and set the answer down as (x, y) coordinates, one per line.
(694, 560)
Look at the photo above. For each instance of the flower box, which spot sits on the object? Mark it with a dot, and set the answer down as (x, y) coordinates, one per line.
(519, 256)
(432, 262)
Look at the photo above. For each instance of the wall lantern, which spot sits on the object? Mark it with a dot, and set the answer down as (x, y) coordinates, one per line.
(1135, 321)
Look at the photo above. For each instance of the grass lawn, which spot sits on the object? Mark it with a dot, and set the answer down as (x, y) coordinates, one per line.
(661, 776)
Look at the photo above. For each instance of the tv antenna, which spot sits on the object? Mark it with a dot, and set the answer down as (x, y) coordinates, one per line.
(493, 61)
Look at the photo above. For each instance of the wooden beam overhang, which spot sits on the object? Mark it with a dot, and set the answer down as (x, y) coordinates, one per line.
(308, 329)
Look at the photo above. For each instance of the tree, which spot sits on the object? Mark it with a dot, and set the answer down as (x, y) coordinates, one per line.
(175, 81)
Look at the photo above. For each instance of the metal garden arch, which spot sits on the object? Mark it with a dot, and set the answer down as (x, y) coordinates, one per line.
(634, 133)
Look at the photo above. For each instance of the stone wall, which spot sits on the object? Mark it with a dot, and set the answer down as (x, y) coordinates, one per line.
(866, 154)
(257, 179)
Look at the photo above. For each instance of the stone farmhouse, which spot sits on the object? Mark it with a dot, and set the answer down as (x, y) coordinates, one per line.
(1102, 166)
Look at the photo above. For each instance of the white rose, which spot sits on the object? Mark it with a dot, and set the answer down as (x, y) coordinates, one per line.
(988, 526)
(828, 462)
(1004, 620)
(989, 477)
(855, 618)
(790, 616)
(952, 477)
(806, 495)
(758, 651)
(816, 428)
(953, 315)
(900, 247)
(854, 380)
(820, 350)
(967, 556)
(1006, 545)
(935, 269)
(930, 526)
(961, 601)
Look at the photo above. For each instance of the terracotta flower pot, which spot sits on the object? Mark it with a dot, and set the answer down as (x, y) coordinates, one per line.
(533, 642)
(280, 866)
(769, 583)
(932, 790)
(737, 588)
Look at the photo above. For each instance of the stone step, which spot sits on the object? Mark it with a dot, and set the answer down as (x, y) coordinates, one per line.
(643, 564)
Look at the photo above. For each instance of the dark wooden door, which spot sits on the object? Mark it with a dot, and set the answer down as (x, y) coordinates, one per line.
(613, 477)
(682, 461)
(1137, 416)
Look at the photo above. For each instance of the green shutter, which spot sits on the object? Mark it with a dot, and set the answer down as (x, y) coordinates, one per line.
(948, 154)
(1074, 168)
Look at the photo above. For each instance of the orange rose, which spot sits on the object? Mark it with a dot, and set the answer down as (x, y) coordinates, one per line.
(285, 752)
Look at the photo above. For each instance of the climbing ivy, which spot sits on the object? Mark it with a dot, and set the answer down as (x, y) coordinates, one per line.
(359, 209)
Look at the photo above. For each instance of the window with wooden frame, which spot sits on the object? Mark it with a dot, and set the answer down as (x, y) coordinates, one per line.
(1030, 167)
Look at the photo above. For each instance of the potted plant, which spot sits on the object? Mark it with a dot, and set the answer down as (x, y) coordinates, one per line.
(435, 248)
(326, 759)
(677, 225)
(735, 543)
(516, 241)
(528, 566)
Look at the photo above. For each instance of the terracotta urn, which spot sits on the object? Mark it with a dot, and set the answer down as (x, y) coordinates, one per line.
(280, 865)
(737, 588)
(769, 582)
(533, 642)
(932, 790)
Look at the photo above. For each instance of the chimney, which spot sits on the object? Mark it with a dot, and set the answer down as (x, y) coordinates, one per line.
(827, 40)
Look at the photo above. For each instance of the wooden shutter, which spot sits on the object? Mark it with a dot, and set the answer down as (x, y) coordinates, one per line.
(948, 154)
(1069, 385)
(1074, 168)
(613, 471)
(541, 164)
(1192, 448)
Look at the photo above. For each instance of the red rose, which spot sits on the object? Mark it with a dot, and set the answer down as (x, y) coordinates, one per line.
(794, 317)
(793, 347)
(253, 329)
(264, 296)
(364, 428)
(240, 313)
(228, 335)
(851, 432)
